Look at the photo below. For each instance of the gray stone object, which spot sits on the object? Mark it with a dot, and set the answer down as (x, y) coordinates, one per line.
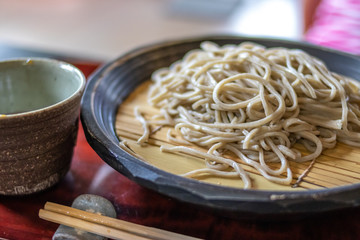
(89, 203)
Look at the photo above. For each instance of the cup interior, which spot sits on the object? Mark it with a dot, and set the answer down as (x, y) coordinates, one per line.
(32, 84)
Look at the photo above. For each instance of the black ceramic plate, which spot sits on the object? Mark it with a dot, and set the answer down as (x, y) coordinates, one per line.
(112, 83)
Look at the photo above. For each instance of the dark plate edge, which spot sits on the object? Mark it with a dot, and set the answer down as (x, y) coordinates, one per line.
(146, 175)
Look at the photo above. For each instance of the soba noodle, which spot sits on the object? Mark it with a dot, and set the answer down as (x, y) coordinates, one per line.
(255, 103)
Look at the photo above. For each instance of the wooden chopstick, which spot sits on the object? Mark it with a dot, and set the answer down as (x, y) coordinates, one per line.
(103, 225)
(87, 226)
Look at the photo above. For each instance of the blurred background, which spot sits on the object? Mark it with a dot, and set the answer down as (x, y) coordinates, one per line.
(103, 30)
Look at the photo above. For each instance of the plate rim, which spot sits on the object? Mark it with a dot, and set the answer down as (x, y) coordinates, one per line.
(278, 201)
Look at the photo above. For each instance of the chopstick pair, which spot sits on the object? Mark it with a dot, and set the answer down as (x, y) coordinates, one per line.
(103, 225)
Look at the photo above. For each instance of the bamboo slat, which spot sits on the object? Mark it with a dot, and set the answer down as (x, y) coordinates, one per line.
(335, 167)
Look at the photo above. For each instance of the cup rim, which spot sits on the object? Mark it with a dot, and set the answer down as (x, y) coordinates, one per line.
(80, 88)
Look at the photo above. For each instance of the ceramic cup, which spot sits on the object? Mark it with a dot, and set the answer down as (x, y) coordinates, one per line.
(39, 111)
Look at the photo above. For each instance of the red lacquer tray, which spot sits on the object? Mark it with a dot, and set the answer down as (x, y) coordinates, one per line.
(89, 174)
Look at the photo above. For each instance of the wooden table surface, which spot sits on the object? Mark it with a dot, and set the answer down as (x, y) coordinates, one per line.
(89, 174)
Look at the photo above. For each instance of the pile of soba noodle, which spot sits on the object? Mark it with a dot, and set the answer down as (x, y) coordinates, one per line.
(255, 103)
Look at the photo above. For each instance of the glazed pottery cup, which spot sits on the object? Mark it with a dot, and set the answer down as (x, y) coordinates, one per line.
(39, 111)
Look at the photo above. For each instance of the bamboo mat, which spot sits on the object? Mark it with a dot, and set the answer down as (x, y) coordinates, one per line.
(335, 167)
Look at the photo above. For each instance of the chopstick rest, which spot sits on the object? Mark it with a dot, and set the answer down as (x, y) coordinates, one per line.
(89, 203)
(101, 225)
